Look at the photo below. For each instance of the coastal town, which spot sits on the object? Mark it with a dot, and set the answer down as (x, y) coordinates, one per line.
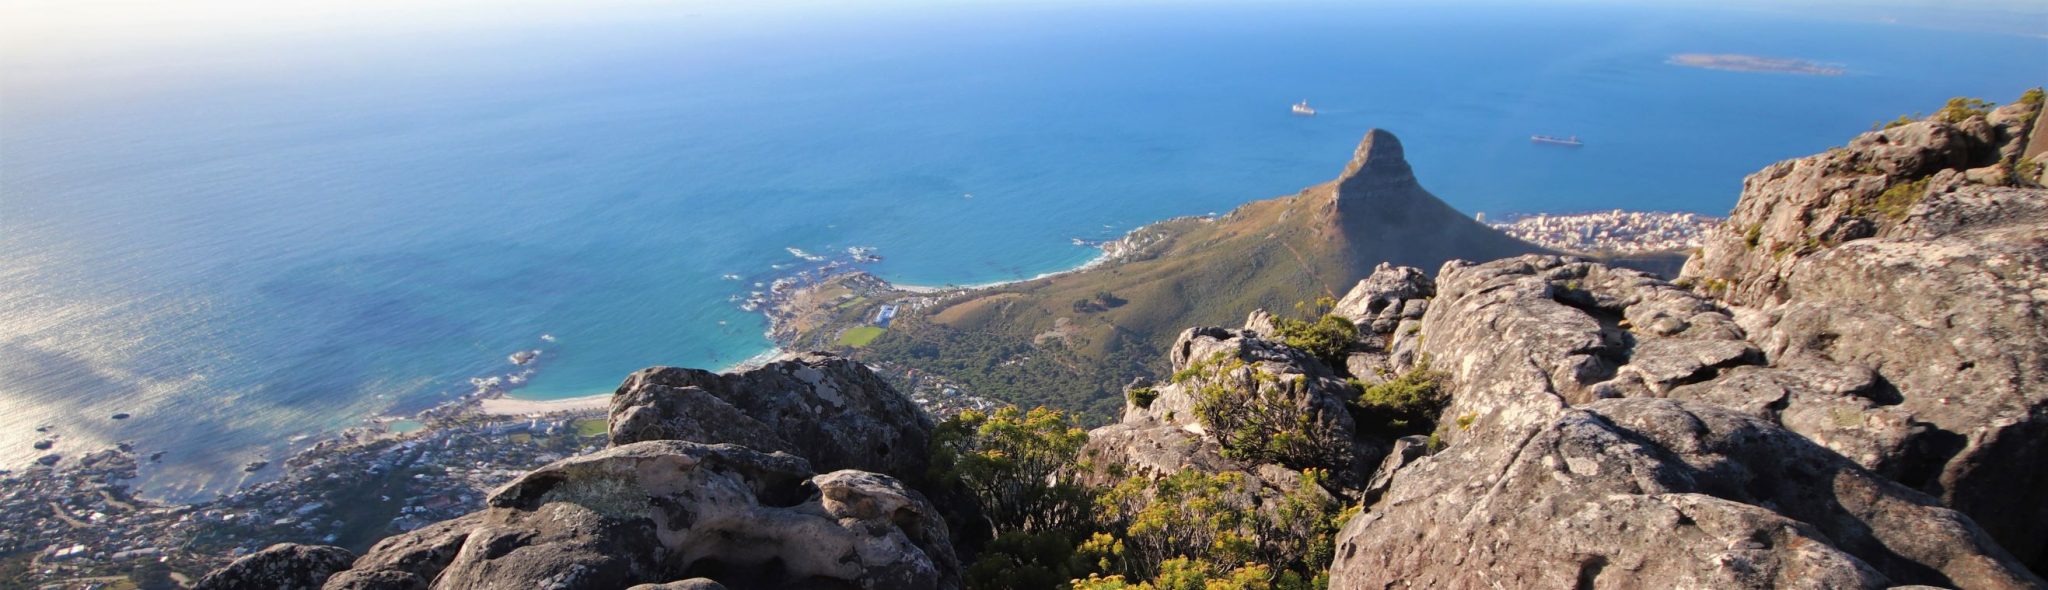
(76, 524)
(1616, 232)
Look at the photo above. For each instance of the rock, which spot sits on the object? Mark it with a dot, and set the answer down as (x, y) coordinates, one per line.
(641, 512)
(45, 444)
(255, 466)
(1169, 435)
(1657, 493)
(1547, 482)
(1940, 296)
(829, 410)
(1261, 324)
(1379, 302)
(284, 566)
(47, 460)
(120, 415)
(690, 584)
(409, 560)
(1405, 451)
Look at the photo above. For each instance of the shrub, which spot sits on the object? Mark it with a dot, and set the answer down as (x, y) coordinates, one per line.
(2033, 97)
(1320, 334)
(1406, 405)
(1143, 396)
(1896, 201)
(1260, 418)
(1008, 460)
(1201, 530)
(1961, 108)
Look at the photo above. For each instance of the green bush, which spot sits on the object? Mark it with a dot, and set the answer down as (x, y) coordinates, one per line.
(1961, 108)
(1201, 530)
(1008, 460)
(1259, 417)
(1325, 337)
(1406, 405)
(1143, 396)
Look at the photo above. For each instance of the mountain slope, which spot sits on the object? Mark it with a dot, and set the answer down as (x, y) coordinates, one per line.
(1072, 340)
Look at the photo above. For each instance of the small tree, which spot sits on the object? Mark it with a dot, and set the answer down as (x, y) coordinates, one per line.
(1010, 461)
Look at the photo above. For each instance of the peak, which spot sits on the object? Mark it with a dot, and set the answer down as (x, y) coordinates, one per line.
(1378, 163)
(1378, 170)
(1379, 152)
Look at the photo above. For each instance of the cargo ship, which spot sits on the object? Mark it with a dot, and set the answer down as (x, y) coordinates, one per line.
(1572, 141)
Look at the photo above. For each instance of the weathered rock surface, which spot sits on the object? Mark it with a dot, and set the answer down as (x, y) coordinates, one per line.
(829, 410)
(284, 566)
(1260, 372)
(1937, 295)
(1378, 303)
(1547, 481)
(1658, 494)
(660, 511)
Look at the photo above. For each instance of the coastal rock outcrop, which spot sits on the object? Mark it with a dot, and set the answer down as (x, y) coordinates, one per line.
(1916, 259)
(1548, 480)
(284, 566)
(661, 511)
(829, 410)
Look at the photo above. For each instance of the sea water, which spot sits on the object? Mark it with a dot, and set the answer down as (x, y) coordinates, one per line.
(244, 242)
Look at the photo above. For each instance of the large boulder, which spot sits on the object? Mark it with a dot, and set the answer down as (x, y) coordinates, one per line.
(1379, 303)
(1549, 480)
(829, 410)
(662, 512)
(1654, 493)
(284, 566)
(1904, 255)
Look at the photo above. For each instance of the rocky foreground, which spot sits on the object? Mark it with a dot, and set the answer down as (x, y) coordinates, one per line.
(1844, 390)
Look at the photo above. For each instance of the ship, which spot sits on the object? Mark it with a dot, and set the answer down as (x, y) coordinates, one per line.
(1572, 141)
(1302, 108)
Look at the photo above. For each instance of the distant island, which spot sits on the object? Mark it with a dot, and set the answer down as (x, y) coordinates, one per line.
(1735, 62)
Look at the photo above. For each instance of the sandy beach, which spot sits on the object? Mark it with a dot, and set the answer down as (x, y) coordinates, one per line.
(505, 406)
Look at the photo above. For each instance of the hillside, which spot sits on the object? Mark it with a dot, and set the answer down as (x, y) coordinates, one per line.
(1072, 340)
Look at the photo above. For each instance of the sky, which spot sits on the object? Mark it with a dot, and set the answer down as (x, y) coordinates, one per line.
(96, 27)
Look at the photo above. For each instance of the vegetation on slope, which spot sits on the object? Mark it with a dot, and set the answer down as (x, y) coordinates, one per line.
(1190, 530)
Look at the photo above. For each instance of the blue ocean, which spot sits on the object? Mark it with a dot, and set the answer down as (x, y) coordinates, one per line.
(249, 244)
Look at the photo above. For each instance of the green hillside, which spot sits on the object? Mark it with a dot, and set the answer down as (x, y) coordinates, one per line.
(1072, 341)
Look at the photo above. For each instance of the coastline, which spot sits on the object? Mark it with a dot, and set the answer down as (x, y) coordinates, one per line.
(508, 406)
(1099, 259)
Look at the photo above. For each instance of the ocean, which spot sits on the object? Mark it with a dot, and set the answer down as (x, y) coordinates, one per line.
(250, 243)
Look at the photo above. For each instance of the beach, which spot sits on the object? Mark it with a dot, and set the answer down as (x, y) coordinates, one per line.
(506, 406)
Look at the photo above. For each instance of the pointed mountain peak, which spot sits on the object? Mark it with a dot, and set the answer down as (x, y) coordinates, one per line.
(1378, 161)
(1379, 178)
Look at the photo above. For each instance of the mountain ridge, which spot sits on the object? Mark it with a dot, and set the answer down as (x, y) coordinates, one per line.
(1271, 254)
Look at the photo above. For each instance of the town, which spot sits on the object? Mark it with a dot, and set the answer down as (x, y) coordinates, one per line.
(1614, 232)
(76, 524)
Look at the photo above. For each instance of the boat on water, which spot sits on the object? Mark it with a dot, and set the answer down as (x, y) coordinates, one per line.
(1572, 141)
(1302, 108)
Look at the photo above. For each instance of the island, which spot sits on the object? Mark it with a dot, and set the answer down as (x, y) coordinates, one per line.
(1736, 62)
